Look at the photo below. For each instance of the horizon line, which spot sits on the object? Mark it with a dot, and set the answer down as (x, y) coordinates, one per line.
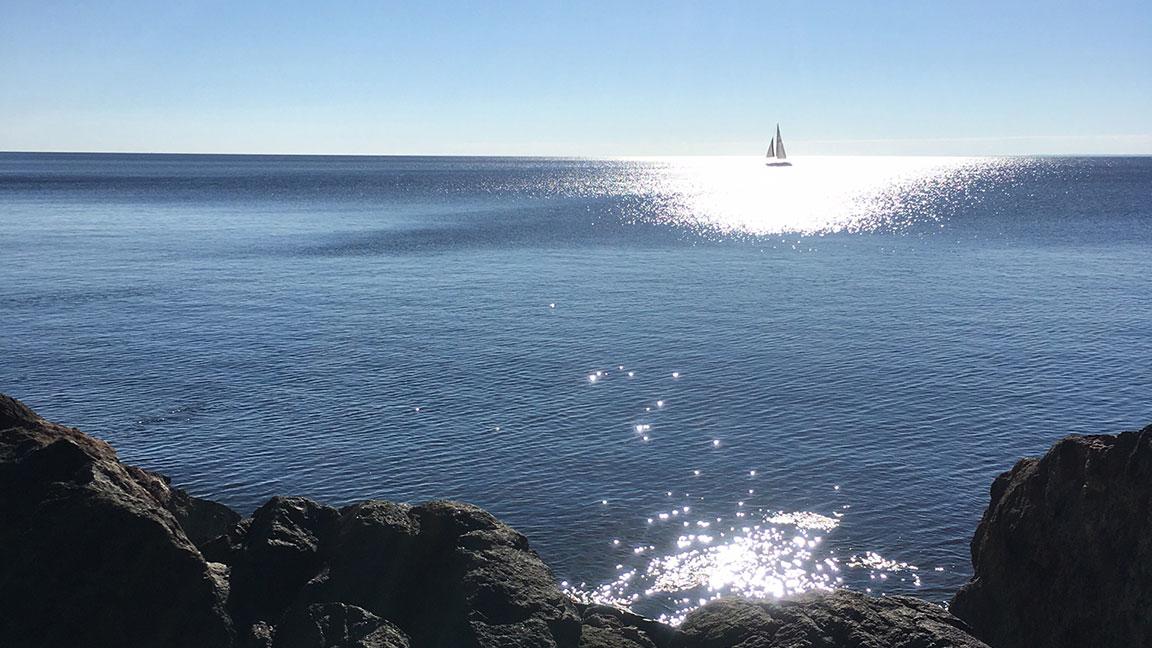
(571, 157)
(1139, 145)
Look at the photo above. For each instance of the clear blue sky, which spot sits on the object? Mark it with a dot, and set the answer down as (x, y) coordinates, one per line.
(576, 78)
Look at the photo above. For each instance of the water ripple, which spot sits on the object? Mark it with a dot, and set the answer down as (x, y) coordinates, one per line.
(413, 329)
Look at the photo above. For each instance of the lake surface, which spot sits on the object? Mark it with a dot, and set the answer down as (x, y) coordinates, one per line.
(678, 377)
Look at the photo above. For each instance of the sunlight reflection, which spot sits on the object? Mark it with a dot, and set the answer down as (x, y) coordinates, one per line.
(739, 196)
(758, 560)
(781, 555)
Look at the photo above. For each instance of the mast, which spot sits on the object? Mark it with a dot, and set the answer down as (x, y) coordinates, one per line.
(780, 154)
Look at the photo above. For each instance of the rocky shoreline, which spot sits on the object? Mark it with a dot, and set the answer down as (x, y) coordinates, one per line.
(97, 553)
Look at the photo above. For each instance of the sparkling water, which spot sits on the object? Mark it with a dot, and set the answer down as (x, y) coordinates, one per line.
(679, 378)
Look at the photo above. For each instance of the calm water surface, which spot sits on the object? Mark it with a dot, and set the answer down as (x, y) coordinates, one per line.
(678, 377)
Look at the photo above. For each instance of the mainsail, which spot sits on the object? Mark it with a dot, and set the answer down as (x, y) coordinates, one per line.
(776, 155)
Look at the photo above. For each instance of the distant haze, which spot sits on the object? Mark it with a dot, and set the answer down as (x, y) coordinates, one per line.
(577, 79)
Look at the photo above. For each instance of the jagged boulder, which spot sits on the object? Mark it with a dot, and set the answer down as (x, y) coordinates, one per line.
(610, 627)
(373, 560)
(257, 635)
(1063, 554)
(335, 625)
(839, 619)
(201, 520)
(448, 574)
(95, 553)
(594, 636)
(273, 555)
(498, 590)
(88, 555)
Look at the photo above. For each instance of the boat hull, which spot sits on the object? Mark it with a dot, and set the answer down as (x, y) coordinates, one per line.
(777, 164)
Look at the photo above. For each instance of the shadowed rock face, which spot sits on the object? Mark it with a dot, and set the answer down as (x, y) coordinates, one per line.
(88, 555)
(839, 619)
(1063, 554)
(201, 519)
(273, 555)
(335, 625)
(609, 627)
(448, 574)
(95, 553)
(494, 585)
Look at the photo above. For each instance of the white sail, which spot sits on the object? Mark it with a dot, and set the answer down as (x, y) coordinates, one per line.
(776, 155)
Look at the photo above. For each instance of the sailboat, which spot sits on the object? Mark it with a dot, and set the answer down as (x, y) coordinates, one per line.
(776, 155)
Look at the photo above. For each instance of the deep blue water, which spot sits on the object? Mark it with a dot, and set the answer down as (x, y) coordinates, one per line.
(876, 338)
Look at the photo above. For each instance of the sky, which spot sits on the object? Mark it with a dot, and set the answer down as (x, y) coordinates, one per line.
(925, 77)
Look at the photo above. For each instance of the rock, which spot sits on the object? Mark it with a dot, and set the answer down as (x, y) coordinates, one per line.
(96, 553)
(448, 574)
(336, 625)
(598, 637)
(445, 573)
(88, 556)
(496, 588)
(202, 520)
(371, 559)
(15, 415)
(24, 431)
(274, 555)
(258, 635)
(839, 619)
(1063, 554)
(609, 627)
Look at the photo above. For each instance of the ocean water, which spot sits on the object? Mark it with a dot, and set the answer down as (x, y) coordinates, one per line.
(678, 377)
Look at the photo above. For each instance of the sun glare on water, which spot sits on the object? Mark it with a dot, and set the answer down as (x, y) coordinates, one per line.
(749, 554)
(741, 196)
(694, 549)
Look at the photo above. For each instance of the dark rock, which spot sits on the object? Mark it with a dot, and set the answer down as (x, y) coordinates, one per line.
(88, 556)
(496, 588)
(24, 431)
(274, 555)
(111, 563)
(95, 553)
(609, 627)
(14, 414)
(258, 635)
(373, 559)
(202, 520)
(336, 625)
(598, 637)
(448, 574)
(839, 619)
(1063, 554)
(225, 548)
